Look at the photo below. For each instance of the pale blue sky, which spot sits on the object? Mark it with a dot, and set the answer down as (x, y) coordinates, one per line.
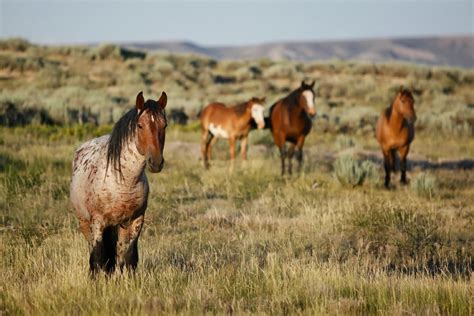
(231, 22)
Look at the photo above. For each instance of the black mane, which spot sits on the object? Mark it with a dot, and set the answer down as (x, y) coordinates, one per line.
(124, 129)
(240, 108)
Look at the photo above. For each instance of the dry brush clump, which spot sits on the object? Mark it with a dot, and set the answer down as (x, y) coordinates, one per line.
(351, 172)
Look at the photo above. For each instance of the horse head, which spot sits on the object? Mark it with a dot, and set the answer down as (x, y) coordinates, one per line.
(256, 108)
(404, 104)
(306, 98)
(150, 130)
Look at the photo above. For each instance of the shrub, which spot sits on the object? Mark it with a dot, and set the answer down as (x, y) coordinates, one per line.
(424, 184)
(15, 44)
(348, 171)
(371, 172)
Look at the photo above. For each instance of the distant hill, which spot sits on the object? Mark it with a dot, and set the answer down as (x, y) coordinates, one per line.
(450, 51)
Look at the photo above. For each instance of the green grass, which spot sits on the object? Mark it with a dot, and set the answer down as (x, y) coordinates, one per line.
(242, 242)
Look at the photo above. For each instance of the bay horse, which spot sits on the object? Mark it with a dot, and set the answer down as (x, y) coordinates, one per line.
(232, 123)
(290, 121)
(109, 188)
(395, 131)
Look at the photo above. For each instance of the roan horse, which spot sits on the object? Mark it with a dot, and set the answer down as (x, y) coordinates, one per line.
(109, 188)
(232, 123)
(395, 131)
(290, 121)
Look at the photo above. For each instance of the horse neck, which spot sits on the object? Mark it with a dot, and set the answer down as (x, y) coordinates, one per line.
(395, 119)
(293, 99)
(132, 163)
(245, 117)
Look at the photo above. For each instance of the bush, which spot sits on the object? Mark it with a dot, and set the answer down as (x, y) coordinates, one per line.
(424, 185)
(348, 171)
(15, 44)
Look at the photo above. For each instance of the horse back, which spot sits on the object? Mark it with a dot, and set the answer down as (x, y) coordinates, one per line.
(214, 112)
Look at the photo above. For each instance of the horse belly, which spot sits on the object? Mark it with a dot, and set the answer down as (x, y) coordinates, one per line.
(218, 130)
(86, 169)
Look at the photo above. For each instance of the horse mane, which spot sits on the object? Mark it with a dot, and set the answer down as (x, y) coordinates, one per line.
(292, 98)
(124, 129)
(240, 108)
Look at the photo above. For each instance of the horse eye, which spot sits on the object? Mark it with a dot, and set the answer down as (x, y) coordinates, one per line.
(139, 126)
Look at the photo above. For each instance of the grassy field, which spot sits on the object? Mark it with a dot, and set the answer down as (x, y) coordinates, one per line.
(330, 240)
(244, 242)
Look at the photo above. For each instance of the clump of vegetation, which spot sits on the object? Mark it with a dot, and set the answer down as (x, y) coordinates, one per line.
(424, 184)
(351, 172)
(408, 240)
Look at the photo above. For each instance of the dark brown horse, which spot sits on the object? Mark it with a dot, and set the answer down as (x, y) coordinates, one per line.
(109, 188)
(233, 123)
(395, 131)
(290, 121)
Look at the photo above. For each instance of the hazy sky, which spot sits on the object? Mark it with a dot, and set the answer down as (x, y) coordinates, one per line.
(230, 22)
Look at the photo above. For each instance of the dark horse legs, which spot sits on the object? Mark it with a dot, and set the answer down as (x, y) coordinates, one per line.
(403, 152)
(103, 250)
(299, 158)
(206, 140)
(127, 246)
(283, 154)
(290, 153)
(389, 164)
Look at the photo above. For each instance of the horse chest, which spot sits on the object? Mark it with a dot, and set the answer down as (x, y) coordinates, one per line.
(123, 206)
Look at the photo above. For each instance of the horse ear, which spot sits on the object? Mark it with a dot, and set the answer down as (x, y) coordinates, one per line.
(312, 84)
(263, 99)
(302, 83)
(140, 103)
(401, 89)
(163, 99)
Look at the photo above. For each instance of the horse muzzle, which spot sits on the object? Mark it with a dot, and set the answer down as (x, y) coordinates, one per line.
(153, 166)
(261, 125)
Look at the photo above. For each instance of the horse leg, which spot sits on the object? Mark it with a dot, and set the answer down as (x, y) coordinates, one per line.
(212, 142)
(205, 141)
(110, 244)
(299, 152)
(279, 139)
(84, 227)
(283, 153)
(243, 147)
(127, 244)
(403, 153)
(388, 165)
(232, 152)
(289, 155)
(98, 257)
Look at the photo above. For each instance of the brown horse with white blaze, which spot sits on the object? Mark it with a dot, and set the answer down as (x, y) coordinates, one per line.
(395, 131)
(232, 123)
(290, 121)
(109, 187)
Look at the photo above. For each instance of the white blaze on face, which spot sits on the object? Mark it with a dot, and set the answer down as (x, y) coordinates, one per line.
(257, 114)
(308, 95)
(218, 131)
